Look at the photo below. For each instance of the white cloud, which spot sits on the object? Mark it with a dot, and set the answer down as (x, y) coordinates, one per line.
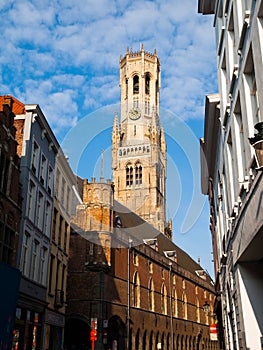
(71, 50)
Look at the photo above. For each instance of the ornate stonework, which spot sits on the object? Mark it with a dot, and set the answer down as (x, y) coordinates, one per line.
(138, 142)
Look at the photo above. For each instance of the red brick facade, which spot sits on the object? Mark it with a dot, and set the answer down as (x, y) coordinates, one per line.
(10, 201)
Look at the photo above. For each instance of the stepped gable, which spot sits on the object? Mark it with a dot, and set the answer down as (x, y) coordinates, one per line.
(17, 107)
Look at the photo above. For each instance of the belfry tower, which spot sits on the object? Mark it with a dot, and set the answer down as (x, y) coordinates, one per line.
(138, 141)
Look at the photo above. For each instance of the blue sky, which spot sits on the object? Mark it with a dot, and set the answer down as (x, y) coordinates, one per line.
(64, 56)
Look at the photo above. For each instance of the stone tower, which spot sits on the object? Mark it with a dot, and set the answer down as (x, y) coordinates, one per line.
(94, 220)
(138, 141)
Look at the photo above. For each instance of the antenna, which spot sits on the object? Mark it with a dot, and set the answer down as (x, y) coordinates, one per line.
(102, 164)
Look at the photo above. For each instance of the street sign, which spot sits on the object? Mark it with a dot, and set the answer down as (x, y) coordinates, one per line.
(213, 332)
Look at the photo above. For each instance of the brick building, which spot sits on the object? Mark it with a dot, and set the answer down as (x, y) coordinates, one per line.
(126, 276)
(129, 276)
(10, 212)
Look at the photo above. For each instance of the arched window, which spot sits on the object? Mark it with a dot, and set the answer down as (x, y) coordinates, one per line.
(197, 310)
(138, 174)
(136, 84)
(147, 83)
(164, 299)
(151, 295)
(174, 303)
(129, 175)
(184, 300)
(136, 290)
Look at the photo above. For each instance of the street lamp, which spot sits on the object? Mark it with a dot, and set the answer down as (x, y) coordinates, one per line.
(257, 144)
(206, 307)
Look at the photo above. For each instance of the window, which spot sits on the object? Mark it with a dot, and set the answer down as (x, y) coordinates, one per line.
(4, 172)
(43, 260)
(174, 303)
(57, 189)
(47, 219)
(136, 84)
(138, 174)
(39, 212)
(231, 162)
(51, 269)
(126, 88)
(136, 290)
(147, 83)
(151, 295)
(150, 266)
(35, 156)
(50, 180)
(7, 237)
(251, 92)
(43, 170)
(24, 254)
(197, 310)
(31, 200)
(164, 299)
(147, 107)
(67, 231)
(135, 258)
(184, 302)
(240, 142)
(34, 262)
(129, 175)
(54, 224)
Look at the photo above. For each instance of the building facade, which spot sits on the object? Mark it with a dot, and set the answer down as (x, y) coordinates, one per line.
(127, 278)
(231, 169)
(65, 197)
(37, 149)
(141, 290)
(10, 212)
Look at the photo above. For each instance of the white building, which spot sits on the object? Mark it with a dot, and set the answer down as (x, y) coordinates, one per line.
(230, 174)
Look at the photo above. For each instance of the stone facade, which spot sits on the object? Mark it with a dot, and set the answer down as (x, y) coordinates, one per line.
(138, 143)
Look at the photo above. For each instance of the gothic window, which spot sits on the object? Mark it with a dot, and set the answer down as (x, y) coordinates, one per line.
(174, 303)
(147, 107)
(184, 302)
(129, 175)
(126, 88)
(197, 310)
(138, 174)
(147, 83)
(164, 299)
(136, 84)
(151, 295)
(136, 290)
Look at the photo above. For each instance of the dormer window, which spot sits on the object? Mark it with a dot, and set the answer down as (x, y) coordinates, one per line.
(136, 84)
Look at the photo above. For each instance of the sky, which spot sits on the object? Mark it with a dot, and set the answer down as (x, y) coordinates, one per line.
(64, 56)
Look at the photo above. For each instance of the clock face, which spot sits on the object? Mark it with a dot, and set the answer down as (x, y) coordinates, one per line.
(135, 113)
